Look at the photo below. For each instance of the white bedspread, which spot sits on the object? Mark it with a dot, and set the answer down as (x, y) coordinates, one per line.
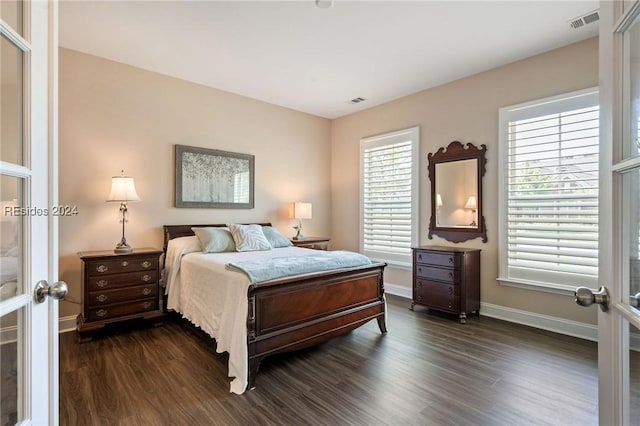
(214, 298)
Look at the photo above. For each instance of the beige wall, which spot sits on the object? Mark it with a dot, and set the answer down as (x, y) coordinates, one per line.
(113, 117)
(464, 110)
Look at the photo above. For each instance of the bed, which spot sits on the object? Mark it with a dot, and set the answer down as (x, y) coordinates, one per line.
(254, 320)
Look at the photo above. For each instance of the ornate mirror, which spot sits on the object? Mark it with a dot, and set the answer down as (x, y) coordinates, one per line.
(456, 192)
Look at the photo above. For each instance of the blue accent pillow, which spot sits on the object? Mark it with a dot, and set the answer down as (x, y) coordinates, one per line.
(249, 237)
(215, 240)
(275, 238)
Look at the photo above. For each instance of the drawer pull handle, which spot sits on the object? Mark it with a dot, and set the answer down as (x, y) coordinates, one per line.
(146, 305)
(101, 298)
(420, 284)
(450, 274)
(102, 268)
(450, 305)
(146, 291)
(451, 260)
(146, 277)
(451, 290)
(102, 283)
(102, 312)
(124, 263)
(146, 264)
(419, 297)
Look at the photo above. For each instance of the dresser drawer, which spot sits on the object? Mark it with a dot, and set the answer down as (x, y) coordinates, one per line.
(449, 275)
(118, 310)
(440, 259)
(437, 295)
(98, 268)
(107, 282)
(100, 298)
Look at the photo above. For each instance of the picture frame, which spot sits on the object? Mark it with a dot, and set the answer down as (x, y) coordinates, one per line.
(210, 178)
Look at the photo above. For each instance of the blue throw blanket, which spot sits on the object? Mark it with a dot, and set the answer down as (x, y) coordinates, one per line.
(279, 267)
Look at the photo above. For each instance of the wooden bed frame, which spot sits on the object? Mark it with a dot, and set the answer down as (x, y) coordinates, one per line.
(301, 311)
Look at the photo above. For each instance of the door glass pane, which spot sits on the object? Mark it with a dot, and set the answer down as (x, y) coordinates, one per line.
(632, 115)
(10, 357)
(10, 237)
(11, 102)
(11, 13)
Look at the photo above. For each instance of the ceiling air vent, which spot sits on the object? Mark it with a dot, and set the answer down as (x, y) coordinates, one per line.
(583, 20)
(356, 100)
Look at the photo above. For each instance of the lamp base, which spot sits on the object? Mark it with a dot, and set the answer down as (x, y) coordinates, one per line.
(123, 248)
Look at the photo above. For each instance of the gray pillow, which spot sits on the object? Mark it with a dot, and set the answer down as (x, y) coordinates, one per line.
(215, 240)
(249, 237)
(275, 238)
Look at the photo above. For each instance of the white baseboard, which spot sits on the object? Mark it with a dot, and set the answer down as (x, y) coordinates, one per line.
(531, 319)
(398, 290)
(545, 322)
(67, 324)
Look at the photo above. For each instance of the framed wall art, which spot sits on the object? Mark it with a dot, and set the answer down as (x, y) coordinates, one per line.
(209, 178)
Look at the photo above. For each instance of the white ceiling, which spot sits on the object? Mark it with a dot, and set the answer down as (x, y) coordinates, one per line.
(294, 54)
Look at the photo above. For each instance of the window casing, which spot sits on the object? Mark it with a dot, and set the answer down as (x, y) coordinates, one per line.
(389, 196)
(549, 192)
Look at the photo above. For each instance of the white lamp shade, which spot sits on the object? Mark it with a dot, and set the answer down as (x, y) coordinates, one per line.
(438, 200)
(302, 210)
(123, 189)
(471, 203)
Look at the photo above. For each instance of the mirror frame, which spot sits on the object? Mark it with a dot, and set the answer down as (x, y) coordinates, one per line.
(456, 151)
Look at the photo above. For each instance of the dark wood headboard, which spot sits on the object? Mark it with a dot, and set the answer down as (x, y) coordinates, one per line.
(176, 231)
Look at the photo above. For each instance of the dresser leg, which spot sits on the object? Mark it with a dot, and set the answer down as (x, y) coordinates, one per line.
(463, 318)
(412, 305)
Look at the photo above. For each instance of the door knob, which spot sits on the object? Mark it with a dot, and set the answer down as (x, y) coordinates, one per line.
(586, 297)
(58, 290)
(635, 300)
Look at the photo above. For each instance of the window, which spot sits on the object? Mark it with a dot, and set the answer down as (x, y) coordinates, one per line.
(389, 196)
(549, 198)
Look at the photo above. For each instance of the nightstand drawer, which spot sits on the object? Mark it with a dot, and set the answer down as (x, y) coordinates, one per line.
(99, 298)
(315, 246)
(121, 265)
(110, 311)
(107, 282)
(438, 295)
(315, 243)
(441, 259)
(449, 275)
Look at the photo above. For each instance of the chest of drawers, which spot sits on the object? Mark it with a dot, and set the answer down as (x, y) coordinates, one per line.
(447, 279)
(118, 287)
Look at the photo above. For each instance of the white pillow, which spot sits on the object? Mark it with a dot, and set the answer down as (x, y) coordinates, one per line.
(249, 237)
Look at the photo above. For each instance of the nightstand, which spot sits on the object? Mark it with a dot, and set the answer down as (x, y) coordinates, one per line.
(316, 243)
(118, 287)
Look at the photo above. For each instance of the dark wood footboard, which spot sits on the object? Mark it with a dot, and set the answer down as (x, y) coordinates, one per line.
(292, 314)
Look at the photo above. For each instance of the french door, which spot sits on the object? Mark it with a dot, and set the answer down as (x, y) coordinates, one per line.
(28, 245)
(619, 207)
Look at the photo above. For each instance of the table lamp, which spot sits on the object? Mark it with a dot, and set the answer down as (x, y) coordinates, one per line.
(301, 211)
(472, 205)
(123, 190)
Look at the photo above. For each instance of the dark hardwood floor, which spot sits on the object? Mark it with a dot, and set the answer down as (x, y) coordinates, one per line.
(428, 370)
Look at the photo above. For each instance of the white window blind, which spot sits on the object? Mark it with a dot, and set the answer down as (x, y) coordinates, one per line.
(388, 196)
(549, 223)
